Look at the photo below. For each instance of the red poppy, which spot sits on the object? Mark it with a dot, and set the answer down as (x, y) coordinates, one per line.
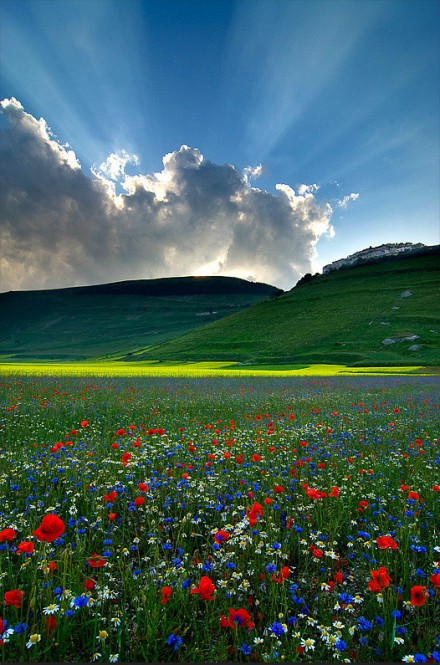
(125, 457)
(14, 597)
(139, 501)
(112, 516)
(7, 535)
(284, 574)
(363, 505)
(96, 561)
(419, 595)
(84, 423)
(26, 547)
(50, 529)
(221, 536)
(386, 542)
(166, 594)
(205, 588)
(110, 498)
(239, 617)
(89, 584)
(380, 580)
(143, 487)
(278, 489)
(435, 579)
(51, 624)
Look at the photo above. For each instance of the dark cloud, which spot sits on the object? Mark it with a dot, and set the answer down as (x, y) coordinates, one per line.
(60, 227)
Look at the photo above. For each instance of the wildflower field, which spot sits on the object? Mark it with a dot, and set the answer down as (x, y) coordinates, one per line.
(219, 519)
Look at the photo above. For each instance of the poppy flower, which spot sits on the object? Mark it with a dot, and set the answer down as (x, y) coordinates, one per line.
(386, 542)
(205, 588)
(50, 529)
(239, 617)
(143, 487)
(110, 498)
(284, 574)
(435, 579)
(51, 623)
(112, 516)
(26, 547)
(380, 580)
(14, 597)
(125, 457)
(166, 594)
(7, 535)
(139, 501)
(96, 561)
(89, 584)
(84, 423)
(419, 595)
(221, 536)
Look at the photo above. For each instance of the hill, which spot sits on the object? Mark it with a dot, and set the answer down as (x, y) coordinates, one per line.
(89, 321)
(384, 313)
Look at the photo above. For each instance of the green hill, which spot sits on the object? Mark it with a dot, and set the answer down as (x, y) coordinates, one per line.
(85, 322)
(386, 313)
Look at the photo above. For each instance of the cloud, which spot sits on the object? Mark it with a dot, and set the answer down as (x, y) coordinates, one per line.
(350, 197)
(61, 227)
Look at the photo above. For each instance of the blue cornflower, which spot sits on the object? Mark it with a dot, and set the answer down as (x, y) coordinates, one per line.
(271, 567)
(364, 624)
(277, 628)
(419, 658)
(186, 584)
(380, 622)
(80, 601)
(276, 546)
(436, 656)
(21, 628)
(396, 614)
(341, 645)
(246, 649)
(230, 565)
(175, 641)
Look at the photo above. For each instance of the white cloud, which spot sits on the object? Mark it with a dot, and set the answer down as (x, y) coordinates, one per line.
(61, 227)
(346, 199)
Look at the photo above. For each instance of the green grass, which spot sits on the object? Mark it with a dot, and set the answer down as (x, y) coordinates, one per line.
(114, 319)
(339, 318)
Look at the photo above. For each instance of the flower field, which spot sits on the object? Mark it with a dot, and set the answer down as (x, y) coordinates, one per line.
(220, 519)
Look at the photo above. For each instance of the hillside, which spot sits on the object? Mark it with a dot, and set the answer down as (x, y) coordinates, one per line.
(385, 313)
(85, 322)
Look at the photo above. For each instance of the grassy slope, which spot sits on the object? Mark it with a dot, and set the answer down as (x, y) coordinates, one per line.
(342, 317)
(84, 322)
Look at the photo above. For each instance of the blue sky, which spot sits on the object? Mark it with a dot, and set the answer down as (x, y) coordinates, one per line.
(343, 94)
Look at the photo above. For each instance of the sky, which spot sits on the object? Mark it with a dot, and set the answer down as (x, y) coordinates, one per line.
(260, 139)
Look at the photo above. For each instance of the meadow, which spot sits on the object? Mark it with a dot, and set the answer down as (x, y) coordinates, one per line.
(195, 519)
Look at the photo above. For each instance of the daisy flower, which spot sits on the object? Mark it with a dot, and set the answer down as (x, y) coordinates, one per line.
(51, 609)
(33, 639)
